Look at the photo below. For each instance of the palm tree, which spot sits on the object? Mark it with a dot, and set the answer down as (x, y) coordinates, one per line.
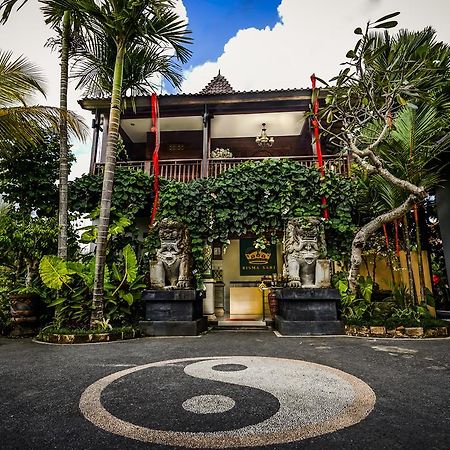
(20, 80)
(132, 25)
(94, 68)
(66, 19)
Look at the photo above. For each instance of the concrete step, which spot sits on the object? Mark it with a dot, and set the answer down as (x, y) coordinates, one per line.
(242, 323)
(246, 329)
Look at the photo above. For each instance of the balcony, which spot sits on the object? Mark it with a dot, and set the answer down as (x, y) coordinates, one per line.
(191, 169)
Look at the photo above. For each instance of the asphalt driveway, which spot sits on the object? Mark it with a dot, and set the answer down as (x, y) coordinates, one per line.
(226, 388)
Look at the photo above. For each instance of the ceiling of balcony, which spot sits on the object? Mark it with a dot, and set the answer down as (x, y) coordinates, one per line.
(222, 126)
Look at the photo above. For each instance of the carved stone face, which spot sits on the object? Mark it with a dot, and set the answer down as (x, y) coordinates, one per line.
(309, 250)
(170, 235)
(169, 251)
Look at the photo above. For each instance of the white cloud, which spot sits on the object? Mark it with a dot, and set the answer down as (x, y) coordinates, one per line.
(309, 37)
(180, 9)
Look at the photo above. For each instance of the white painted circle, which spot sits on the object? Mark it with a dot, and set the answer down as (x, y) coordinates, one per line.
(209, 404)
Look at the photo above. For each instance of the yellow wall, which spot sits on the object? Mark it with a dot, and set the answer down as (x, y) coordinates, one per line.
(383, 275)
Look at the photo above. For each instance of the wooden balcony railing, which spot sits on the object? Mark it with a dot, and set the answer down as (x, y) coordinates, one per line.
(190, 169)
(335, 163)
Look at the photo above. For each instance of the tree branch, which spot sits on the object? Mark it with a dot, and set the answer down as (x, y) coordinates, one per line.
(367, 230)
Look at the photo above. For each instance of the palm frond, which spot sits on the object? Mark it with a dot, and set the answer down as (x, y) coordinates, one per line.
(19, 79)
(168, 27)
(27, 124)
(94, 68)
(6, 6)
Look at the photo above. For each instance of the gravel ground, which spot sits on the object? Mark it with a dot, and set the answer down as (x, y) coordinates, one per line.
(224, 389)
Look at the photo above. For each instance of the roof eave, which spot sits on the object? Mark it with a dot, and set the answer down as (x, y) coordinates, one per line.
(203, 99)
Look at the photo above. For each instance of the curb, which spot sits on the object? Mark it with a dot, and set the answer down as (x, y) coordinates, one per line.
(93, 338)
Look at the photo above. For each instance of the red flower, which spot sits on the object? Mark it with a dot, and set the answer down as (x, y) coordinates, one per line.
(436, 279)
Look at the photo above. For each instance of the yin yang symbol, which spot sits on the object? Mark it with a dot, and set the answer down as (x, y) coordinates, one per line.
(225, 402)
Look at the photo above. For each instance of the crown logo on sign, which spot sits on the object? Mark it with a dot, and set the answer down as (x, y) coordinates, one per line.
(257, 256)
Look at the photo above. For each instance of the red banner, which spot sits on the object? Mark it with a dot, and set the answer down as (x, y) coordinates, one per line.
(155, 159)
(315, 125)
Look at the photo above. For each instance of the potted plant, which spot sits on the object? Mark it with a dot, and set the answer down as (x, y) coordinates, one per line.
(221, 153)
(24, 240)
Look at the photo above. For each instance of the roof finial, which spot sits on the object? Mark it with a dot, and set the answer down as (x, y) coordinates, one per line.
(218, 85)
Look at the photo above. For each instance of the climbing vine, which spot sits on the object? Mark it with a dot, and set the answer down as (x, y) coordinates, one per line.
(132, 193)
(254, 198)
(257, 198)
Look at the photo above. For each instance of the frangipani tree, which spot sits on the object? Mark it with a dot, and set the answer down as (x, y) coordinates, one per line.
(372, 97)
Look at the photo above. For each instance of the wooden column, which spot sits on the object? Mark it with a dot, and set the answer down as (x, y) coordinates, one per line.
(206, 143)
(104, 139)
(94, 149)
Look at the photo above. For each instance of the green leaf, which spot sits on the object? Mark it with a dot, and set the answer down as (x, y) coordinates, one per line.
(389, 16)
(90, 235)
(54, 272)
(56, 302)
(119, 226)
(358, 30)
(401, 100)
(131, 266)
(75, 267)
(128, 297)
(321, 80)
(115, 272)
(390, 24)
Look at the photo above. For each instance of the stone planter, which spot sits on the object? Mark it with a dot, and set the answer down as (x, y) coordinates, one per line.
(436, 332)
(380, 331)
(55, 338)
(377, 331)
(24, 314)
(356, 330)
(414, 331)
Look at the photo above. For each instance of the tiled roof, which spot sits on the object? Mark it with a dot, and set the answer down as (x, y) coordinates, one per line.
(218, 85)
(198, 94)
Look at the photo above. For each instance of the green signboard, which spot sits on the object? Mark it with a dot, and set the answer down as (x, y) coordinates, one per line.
(255, 261)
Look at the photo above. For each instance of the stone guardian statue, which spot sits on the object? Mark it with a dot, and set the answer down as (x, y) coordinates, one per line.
(173, 266)
(304, 251)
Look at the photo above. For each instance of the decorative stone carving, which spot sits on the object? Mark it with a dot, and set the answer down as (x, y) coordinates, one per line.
(173, 266)
(304, 250)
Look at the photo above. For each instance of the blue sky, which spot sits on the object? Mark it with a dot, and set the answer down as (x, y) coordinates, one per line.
(214, 22)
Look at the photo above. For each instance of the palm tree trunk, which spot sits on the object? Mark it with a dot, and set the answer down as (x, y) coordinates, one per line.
(412, 289)
(63, 152)
(366, 231)
(108, 181)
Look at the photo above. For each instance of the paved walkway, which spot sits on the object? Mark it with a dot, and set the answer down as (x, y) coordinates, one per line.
(226, 389)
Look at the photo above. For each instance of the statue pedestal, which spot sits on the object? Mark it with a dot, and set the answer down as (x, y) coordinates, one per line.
(177, 312)
(307, 311)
